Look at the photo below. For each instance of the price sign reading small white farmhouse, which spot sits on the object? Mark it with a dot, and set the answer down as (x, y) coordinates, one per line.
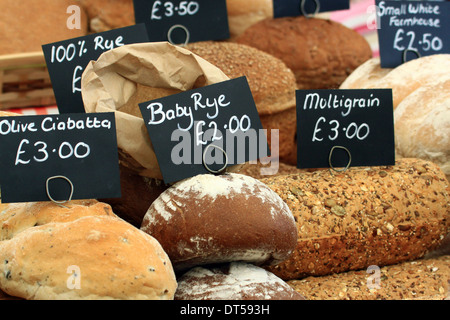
(183, 21)
(411, 29)
(358, 123)
(66, 61)
(58, 157)
(205, 130)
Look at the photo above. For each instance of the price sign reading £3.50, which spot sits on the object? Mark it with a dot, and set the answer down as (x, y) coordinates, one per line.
(58, 157)
(412, 29)
(339, 128)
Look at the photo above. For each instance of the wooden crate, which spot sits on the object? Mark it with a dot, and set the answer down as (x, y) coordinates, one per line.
(25, 81)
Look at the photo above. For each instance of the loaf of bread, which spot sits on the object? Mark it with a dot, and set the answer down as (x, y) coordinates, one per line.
(210, 219)
(27, 25)
(243, 14)
(426, 279)
(421, 99)
(105, 15)
(81, 250)
(365, 216)
(271, 82)
(404, 79)
(321, 53)
(233, 281)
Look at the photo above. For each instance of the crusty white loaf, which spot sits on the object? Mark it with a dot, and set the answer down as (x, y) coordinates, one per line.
(217, 219)
(83, 251)
(233, 281)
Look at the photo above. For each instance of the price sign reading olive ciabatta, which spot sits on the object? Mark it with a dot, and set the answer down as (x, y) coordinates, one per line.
(342, 128)
(58, 157)
(66, 61)
(292, 8)
(182, 22)
(412, 29)
(205, 130)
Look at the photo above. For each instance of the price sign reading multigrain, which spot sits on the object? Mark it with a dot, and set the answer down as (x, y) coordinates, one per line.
(182, 22)
(340, 128)
(412, 29)
(204, 130)
(60, 157)
(66, 61)
(292, 8)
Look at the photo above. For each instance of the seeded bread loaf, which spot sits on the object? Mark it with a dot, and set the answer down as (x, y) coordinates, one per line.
(365, 216)
(80, 251)
(426, 279)
(210, 219)
(233, 281)
(321, 53)
(271, 82)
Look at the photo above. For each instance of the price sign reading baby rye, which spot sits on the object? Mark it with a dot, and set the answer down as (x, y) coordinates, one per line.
(58, 157)
(182, 22)
(205, 130)
(412, 29)
(66, 61)
(339, 128)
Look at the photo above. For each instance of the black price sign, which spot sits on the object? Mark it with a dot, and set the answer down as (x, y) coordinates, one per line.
(292, 8)
(411, 29)
(66, 61)
(182, 22)
(341, 128)
(58, 157)
(205, 130)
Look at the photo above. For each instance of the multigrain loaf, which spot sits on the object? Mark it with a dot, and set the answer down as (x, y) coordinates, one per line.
(321, 53)
(365, 216)
(27, 25)
(81, 250)
(209, 219)
(233, 281)
(426, 279)
(271, 83)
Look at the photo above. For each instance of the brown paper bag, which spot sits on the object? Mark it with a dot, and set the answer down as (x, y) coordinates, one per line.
(124, 77)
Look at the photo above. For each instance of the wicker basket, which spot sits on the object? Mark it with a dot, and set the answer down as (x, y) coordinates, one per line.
(25, 81)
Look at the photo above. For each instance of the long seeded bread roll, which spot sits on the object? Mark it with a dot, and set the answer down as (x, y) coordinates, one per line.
(80, 251)
(426, 279)
(365, 216)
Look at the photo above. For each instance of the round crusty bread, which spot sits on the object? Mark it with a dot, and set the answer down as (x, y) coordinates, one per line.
(83, 252)
(403, 79)
(422, 125)
(320, 52)
(233, 281)
(271, 82)
(27, 25)
(216, 219)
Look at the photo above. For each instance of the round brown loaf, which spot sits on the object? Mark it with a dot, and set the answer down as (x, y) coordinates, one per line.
(27, 25)
(215, 219)
(271, 82)
(81, 251)
(320, 52)
(234, 281)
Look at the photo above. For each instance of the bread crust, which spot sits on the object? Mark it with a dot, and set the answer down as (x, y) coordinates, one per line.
(320, 52)
(216, 219)
(366, 216)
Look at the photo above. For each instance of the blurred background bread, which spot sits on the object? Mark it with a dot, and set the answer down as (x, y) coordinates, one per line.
(27, 25)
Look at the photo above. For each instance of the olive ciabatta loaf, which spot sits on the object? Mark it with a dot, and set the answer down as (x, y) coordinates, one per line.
(362, 217)
(233, 281)
(79, 251)
(211, 219)
(426, 279)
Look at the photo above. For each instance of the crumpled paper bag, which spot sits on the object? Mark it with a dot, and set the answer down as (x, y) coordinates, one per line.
(122, 78)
